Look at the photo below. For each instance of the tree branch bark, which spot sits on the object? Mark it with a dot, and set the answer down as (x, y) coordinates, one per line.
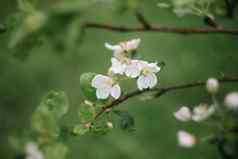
(161, 91)
(157, 28)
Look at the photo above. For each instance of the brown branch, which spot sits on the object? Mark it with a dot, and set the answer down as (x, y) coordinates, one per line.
(157, 28)
(160, 91)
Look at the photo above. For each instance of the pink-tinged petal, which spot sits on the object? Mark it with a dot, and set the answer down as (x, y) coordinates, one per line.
(132, 44)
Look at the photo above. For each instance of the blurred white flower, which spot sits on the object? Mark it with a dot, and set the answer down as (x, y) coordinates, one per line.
(231, 100)
(32, 151)
(118, 67)
(186, 139)
(105, 86)
(202, 112)
(183, 114)
(212, 85)
(163, 5)
(123, 47)
(147, 78)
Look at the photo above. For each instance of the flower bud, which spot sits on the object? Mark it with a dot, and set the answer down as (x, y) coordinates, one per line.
(109, 125)
(185, 139)
(231, 100)
(212, 85)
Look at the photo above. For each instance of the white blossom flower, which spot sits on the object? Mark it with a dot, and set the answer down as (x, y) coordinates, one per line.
(186, 139)
(147, 78)
(105, 86)
(183, 114)
(231, 100)
(212, 85)
(202, 112)
(32, 151)
(123, 47)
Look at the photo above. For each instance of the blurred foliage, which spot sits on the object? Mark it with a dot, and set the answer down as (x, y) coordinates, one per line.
(45, 48)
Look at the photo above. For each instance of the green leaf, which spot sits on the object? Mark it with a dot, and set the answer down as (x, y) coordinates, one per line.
(56, 151)
(126, 121)
(86, 113)
(55, 103)
(85, 84)
(46, 118)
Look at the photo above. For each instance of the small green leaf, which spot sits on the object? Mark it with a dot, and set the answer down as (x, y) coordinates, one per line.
(46, 118)
(85, 84)
(86, 113)
(126, 121)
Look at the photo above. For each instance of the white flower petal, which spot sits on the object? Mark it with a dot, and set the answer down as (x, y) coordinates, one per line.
(152, 80)
(112, 47)
(133, 70)
(117, 66)
(153, 67)
(102, 93)
(142, 82)
(99, 81)
(116, 91)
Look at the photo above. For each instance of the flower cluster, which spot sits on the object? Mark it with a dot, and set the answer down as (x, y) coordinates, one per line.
(123, 64)
(202, 112)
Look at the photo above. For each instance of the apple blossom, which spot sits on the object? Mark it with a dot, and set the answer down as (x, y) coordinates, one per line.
(183, 114)
(147, 78)
(186, 139)
(105, 86)
(202, 112)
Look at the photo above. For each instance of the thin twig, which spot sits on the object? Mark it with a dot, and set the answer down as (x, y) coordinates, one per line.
(157, 28)
(161, 91)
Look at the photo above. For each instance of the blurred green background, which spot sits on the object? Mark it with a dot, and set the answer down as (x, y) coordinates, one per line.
(23, 82)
